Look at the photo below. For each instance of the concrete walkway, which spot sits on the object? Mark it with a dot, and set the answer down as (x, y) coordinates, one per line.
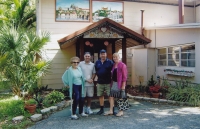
(141, 115)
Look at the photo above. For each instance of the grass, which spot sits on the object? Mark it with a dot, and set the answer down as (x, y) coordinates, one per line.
(9, 108)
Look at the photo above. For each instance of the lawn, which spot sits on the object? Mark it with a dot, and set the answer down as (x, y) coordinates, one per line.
(9, 108)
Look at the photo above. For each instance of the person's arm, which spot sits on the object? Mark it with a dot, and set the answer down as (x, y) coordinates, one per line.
(124, 76)
(65, 78)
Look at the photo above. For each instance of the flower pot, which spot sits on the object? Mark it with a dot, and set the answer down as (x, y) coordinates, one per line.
(31, 108)
(155, 95)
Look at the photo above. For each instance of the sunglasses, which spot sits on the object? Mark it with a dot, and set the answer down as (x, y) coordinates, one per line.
(75, 62)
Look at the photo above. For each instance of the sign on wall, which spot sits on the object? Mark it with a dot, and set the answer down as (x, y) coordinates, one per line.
(104, 9)
(72, 10)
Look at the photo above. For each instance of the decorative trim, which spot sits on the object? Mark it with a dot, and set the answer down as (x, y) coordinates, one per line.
(179, 72)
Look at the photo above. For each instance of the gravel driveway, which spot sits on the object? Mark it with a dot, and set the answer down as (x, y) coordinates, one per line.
(141, 115)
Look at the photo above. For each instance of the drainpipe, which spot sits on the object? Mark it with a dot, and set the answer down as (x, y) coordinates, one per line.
(181, 11)
(195, 12)
(142, 27)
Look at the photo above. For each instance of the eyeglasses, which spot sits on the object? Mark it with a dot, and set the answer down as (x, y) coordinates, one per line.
(75, 62)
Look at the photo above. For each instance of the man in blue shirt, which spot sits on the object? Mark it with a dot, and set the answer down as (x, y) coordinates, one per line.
(103, 69)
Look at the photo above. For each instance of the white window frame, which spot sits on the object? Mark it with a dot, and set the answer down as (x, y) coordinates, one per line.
(180, 60)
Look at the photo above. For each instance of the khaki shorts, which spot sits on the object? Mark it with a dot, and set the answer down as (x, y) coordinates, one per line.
(101, 88)
(89, 91)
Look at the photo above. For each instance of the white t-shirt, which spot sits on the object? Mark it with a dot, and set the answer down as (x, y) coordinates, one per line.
(88, 70)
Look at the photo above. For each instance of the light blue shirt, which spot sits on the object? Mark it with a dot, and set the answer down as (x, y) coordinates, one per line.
(77, 77)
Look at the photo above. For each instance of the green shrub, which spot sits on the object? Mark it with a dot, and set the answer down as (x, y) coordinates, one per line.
(31, 102)
(184, 91)
(55, 96)
(11, 108)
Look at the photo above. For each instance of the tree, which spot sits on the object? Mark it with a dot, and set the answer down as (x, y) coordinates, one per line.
(17, 12)
(18, 51)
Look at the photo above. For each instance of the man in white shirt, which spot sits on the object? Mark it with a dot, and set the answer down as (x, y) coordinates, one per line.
(88, 70)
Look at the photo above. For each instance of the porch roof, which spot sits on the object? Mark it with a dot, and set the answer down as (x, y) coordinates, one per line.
(130, 34)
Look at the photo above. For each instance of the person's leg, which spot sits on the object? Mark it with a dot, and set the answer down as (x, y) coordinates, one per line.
(100, 91)
(111, 101)
(75, 101)
(120, 113)
(81, 102)
(90, 94)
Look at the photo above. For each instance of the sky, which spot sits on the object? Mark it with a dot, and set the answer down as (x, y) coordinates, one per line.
(66, 3)
(85, 4)
(113, 5)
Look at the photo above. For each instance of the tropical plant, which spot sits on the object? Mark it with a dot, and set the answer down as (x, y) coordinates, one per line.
(151, 82)
(189, 93)
(18, 13)
(19, 52)
(55, 96)
(31, 102)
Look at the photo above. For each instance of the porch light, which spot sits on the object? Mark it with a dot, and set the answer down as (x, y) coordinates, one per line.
(106, 43)
(87, 43)
(91, 44)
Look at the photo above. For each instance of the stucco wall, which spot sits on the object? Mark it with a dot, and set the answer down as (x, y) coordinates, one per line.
(154, 15)
(198, 13)
(165, 38)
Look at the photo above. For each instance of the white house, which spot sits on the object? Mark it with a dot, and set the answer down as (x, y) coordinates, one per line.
(168, 44)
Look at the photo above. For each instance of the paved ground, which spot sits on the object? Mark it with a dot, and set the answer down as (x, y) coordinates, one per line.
(141, 115)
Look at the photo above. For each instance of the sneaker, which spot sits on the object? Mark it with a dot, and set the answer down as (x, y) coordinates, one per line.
(74, 116)
(89, 111)
(100, 112)
(83, 114)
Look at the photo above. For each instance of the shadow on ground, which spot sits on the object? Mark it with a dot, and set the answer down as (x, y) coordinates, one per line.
(141, 115)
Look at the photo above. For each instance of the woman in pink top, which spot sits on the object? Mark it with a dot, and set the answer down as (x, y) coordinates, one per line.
(118, 83)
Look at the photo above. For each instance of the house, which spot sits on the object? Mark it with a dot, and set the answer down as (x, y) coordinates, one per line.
(157, 37)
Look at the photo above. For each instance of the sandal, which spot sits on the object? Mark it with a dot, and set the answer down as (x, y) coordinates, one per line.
(108, 113)
(119, 114)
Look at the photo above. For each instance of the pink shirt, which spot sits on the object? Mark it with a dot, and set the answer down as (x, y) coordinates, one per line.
(121, 74)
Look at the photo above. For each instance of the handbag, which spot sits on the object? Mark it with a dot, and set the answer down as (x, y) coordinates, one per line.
(122, 102)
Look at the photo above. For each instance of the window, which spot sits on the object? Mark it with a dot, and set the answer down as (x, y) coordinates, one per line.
(188, 56)
(177, 56)
(173, 56)
(162, 57)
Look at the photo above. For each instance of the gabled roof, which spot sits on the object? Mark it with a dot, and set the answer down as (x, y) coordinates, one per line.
(108, 22)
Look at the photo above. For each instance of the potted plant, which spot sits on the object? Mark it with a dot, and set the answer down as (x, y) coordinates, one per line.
(30, 105)
(155, 91)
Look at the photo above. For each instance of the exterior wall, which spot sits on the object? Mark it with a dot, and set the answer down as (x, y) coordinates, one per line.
(60, 61)
(170, 37)
(154, 14)
(198, 13)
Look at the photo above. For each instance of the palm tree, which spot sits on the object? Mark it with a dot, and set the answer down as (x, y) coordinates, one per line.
(17, 12)
(18, 50)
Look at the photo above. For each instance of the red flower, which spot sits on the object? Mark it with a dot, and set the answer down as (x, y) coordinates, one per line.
(155, 89)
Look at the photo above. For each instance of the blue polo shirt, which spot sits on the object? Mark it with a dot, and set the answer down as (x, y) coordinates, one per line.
(103, 71)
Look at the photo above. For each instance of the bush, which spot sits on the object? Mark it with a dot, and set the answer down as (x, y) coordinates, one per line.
(54, 97)
(31, 102)
(184, 91)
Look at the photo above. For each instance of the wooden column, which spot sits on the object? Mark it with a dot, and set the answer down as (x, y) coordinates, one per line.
(124, 49)
(113, 47)
(181, 11)
(90, 14)
(81, 49)
(78, 48)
